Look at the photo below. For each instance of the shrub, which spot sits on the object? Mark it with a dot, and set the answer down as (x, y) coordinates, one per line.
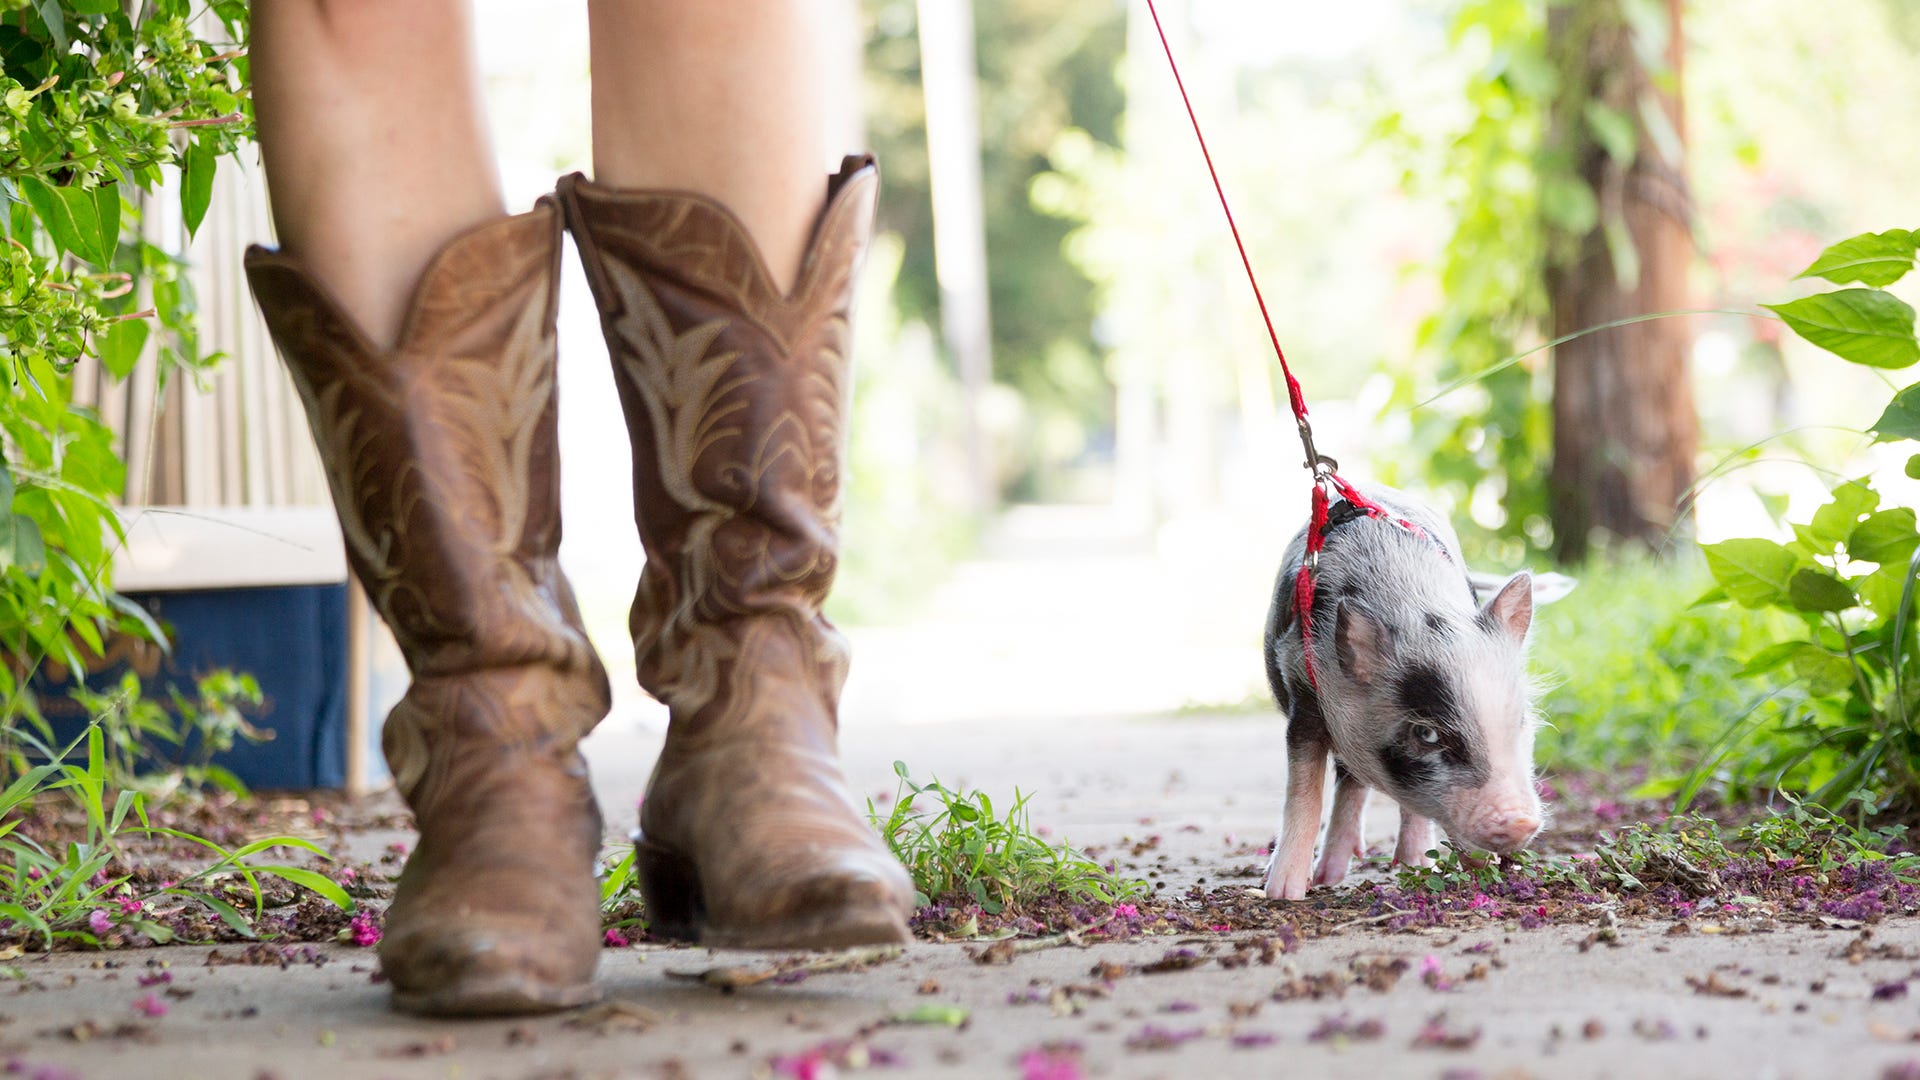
(1845, 582)
(95, 106)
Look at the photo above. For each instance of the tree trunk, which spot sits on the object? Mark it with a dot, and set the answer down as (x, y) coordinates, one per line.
(1624, 426)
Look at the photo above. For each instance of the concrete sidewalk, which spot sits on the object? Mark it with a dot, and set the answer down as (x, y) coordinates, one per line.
(1193, 796)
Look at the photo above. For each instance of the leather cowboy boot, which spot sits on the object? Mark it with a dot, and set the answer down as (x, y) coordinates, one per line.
(736, 397)
(442, 460)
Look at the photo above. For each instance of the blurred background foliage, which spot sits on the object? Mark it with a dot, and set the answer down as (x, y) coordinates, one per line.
(1047, 71)
(1413, 178)
(1406, 174)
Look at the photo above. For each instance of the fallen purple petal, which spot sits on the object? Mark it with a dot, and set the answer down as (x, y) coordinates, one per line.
(363, 930)
(1247, 1040)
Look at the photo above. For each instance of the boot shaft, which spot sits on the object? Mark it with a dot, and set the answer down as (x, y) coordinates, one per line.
(736, 397)
(441, 452)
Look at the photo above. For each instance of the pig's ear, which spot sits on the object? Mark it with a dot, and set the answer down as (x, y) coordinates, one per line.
(1511, 609)
(1361, 642)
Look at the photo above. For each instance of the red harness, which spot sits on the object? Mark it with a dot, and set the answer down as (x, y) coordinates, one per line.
(1326, 476)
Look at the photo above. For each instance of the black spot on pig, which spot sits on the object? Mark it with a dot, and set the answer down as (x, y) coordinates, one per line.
(1408, 770)
(1426, 696)
(1306, 727)
(1423, 692)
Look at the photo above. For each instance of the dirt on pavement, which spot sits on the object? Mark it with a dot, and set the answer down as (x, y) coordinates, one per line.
(1479, 997)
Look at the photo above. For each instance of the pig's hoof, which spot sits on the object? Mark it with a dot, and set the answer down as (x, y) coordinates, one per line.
(1332, 871)
(1287, 886)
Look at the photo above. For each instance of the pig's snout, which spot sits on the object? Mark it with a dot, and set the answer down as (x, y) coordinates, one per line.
(1502, 827)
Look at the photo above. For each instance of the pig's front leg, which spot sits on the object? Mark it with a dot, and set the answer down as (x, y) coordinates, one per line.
(1293, 856)
(1346, 834)
(1416, 839)
(1307, 751)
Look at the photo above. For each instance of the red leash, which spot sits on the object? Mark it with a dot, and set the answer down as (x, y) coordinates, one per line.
(1325, 470)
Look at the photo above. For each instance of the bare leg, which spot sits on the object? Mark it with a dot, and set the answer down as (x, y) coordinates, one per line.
(1416, 839)
(375, 143)
(717, 98)
(1293, 854)
(1346, 834)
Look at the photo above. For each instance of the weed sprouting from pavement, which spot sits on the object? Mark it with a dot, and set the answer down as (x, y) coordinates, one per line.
(959, 849)
(84, 891)
(622, 912)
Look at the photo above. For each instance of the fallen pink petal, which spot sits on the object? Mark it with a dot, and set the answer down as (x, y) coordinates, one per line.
(1053, 1061)
(364, 930)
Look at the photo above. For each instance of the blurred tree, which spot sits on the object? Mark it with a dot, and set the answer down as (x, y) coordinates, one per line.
(1045, 67)
(1625, 430)
(1570, 210)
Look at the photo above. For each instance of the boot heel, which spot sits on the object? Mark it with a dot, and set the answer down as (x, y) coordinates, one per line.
(675, 907)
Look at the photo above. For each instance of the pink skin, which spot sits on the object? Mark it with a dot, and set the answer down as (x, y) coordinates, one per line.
(1287, 874)
(1416, 839)
(1501, 823)
(1346, 833)
(1501, 817)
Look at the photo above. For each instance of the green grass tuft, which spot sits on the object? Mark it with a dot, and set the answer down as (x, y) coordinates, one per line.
(958, 849)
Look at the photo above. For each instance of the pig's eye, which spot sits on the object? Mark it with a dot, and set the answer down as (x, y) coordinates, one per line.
(1427, 734)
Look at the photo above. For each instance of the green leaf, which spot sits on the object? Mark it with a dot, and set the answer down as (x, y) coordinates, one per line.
(106, 209)
(228, 914)
(1876, 259)
(1817, 590)
(56, 213)
(1715, 595)
(1886, 537)
(935, 1013)
(309, 879)
(1823, 672)
(81, 222)
(21, 544)
(1865, 326)
(120, 346)
(95, 7)
(1774, 656)
(56, 22)
(1754, 572)
(196, 182)
(1567, 203)
(1882, 589)
(6, 489)
(1614, 131)
(1835, 521)
(160, 934)
(19, 53)
(1901, 421)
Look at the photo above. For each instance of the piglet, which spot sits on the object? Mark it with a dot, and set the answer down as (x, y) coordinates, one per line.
(1421, 692)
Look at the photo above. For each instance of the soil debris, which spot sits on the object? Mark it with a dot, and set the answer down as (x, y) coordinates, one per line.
(1438, 1034)
(1174, 960)
(1713, 986)
(615, 1017)
(731, 977)
(444, 1044)
(1342, 1028)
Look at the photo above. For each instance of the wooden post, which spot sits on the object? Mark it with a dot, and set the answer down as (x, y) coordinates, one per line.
(949, 79)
